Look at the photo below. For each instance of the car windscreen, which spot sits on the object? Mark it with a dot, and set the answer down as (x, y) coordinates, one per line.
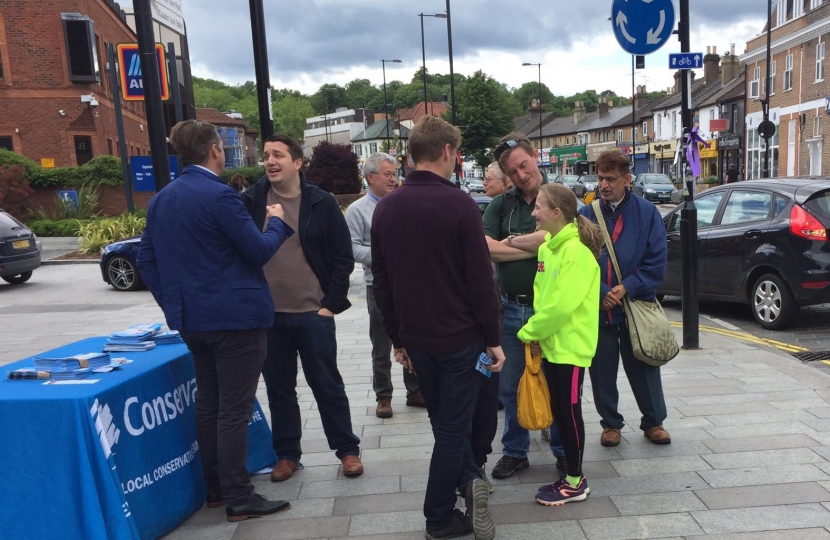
(569, 178)
(7, 222)
(656, 179)
(820, 204)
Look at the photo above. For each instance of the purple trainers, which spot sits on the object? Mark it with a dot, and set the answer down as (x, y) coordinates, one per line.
(561, 492)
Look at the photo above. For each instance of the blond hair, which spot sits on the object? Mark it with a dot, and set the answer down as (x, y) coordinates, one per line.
(561, 197)
(429, 137)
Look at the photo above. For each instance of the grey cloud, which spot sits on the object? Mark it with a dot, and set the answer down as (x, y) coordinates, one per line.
(327, 36)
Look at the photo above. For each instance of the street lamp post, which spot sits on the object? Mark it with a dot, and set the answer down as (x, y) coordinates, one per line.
(424, 52)
(539, 99)
(385, 101)
(452, 75)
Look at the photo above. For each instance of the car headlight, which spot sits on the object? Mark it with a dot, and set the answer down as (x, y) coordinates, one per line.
(649, 190)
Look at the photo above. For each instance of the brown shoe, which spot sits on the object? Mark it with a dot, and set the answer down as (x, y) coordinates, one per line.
(657, 435)
(416, 400)
(352, 466)
(283, 470)
(384, 409)
(610, 437)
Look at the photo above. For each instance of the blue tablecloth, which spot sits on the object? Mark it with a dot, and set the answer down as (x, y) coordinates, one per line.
(110, 460)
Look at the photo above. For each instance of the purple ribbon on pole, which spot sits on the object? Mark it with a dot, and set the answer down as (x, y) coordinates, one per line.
(692, 153)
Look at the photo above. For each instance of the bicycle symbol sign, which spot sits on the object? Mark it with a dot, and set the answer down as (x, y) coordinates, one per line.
(691, 60)
(642, 26)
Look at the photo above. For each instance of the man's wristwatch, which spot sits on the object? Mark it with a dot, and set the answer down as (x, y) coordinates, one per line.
(510, 239)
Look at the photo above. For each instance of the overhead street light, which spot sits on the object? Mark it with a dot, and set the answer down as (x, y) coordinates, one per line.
(539, 99)
(385, 100)
(424, 52)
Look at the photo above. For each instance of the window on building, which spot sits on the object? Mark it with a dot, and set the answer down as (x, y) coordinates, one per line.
(373, 147)
(645, 129)
(80, 47)
(781, 12)
(358, 149)
(772, 77)
(619, 135)
(788, 73)
(7, 144)
(755, 84)
(734, 126)
(674, 123)
(798, 8)
(755, 154)
(817, 127)
(109, 147)
(814, 4)
(820, 62)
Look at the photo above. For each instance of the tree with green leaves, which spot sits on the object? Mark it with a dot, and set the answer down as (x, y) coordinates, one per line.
(485, 114)
(328, 97)
(529, 91)
(290, 115)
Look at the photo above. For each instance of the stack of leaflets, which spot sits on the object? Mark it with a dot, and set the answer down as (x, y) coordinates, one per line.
(31, 374)
(77, 363)
(168, 337)
(136, 338)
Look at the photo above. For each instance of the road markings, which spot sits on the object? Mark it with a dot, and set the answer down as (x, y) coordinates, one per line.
(722, 323)
(787, 347)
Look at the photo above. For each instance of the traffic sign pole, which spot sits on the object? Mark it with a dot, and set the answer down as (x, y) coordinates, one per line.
(765, 102)
(688, 214)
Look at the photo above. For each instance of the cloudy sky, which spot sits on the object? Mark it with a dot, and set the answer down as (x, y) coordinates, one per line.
(311, 42)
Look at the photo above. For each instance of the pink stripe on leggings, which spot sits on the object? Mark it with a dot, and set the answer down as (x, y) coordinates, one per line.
(575, 400)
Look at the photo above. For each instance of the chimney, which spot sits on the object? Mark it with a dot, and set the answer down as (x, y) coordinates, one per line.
(534, 108)
(602, 107)
(640, 98)
(711, 63)
(678, 85)
(729, 66)
(579, 112)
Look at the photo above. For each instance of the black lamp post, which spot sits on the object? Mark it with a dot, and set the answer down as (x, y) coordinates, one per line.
(452, 75)
(539, 104)
(424, 52)
(385, 100)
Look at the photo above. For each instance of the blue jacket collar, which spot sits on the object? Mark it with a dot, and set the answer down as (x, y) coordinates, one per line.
(193, 169)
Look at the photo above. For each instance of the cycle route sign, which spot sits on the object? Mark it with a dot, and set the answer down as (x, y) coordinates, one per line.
(689, 60)
(642, 26)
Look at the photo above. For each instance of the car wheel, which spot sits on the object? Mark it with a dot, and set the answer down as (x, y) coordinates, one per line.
(772, 302)
(123, 275)
(18, 278)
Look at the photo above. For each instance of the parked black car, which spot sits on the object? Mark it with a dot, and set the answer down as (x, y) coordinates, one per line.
(653, 187)
(118, 266)
(761, 242)
(19, 250)
(571, 181)
(482, 201)
(589, 183)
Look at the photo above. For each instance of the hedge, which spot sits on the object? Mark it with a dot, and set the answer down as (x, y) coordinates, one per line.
(251, 174)
(64, 227)
(99, 171)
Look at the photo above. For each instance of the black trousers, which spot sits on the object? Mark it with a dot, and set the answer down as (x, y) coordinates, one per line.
(485, 420)
(381, 354)
(227, 365)
(565, 386)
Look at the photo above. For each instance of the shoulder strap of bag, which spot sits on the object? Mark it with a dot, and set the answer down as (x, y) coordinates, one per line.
(609, 244)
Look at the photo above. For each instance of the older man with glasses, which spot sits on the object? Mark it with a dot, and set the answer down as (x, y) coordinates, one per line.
(381, 175)
(495, 183)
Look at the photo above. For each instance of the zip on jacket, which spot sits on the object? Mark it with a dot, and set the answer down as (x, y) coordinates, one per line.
(565, 300)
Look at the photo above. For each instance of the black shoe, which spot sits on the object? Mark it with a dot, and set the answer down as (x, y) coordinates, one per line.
(258, 506)
(476, 497)
(562, 466)
(507, 466)
(458, 525)
(215, 500)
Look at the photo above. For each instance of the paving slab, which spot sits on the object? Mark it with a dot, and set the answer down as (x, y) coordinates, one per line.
(767, 518)
(658, 503)
(745, 497)
(760, 442)
(635, 527)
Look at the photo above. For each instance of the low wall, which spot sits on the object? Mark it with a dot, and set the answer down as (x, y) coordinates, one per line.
(113, 201)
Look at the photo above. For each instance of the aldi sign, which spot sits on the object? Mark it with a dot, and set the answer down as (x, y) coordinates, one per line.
(129, 61)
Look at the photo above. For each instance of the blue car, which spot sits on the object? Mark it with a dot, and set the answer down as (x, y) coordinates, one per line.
(118, 266)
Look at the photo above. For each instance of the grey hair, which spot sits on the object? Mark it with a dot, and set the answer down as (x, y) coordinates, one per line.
(495, 167)
(373, 162)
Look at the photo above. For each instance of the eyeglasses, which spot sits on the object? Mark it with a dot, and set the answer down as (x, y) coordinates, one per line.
(386, 175)
(502, 148)
(609, 179)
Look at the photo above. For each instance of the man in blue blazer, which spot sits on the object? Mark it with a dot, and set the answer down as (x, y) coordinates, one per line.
(202, 256)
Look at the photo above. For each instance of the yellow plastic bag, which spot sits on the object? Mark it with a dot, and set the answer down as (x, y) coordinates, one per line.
(534, 398)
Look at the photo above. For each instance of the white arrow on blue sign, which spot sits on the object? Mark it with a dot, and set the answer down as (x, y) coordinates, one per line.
(642, 26)
(689, 60)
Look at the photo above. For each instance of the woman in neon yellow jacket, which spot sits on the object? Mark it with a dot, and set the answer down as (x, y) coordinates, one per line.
(565, 325)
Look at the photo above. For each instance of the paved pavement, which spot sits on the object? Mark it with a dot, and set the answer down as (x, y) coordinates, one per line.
(750, 457)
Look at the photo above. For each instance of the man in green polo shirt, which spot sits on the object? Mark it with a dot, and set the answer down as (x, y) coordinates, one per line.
(511, 235)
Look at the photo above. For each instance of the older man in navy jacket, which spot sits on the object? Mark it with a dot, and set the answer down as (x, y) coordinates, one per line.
(201, 256)
(639, 237)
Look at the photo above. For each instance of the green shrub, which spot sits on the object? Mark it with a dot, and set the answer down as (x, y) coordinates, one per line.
(63, 227)
(61, 209)
(251, 174)
(8, 158)
(97, 234)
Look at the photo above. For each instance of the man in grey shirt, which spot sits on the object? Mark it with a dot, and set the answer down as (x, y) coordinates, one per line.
(379, 172)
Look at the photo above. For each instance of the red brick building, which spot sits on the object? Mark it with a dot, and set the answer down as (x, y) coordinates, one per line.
(799, 90)
(55, 96)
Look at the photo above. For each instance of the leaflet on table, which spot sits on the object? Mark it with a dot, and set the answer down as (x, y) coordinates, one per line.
(33, 374)
(69, 363)
(116, 363)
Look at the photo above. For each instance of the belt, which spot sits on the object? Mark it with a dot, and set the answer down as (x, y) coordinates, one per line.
(521, 299)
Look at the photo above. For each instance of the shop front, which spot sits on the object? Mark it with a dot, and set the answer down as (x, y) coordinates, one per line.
(642, 161)
(663, 154)
(709, 159)
(730, 154)
(568, 160)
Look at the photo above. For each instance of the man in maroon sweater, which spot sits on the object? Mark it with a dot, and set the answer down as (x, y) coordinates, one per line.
(434, 288)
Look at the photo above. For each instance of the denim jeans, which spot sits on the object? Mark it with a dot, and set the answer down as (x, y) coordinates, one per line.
(515, 439)
(450, 386)
(313, 337)
(646, 384)
(227, 365)
(381, 354)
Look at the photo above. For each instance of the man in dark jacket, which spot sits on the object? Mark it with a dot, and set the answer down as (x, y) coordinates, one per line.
(639, 237)
(435, 291)
(201, 256)
(309, 282)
